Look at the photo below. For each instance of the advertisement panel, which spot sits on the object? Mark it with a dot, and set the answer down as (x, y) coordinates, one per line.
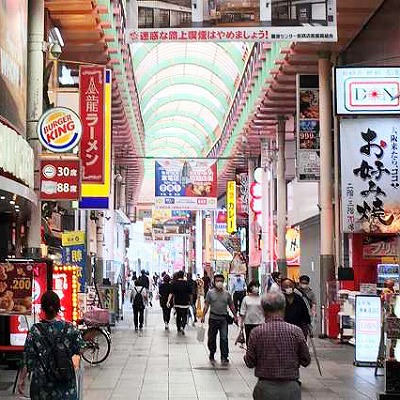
(19, 325)
(59, 178)
(16, 288)
(308, 161)
(13, 62)
(367, 90)
(170, 221)
(65, 284)
(74, 253)
(231, 207)
(186, 184)
(59, 129)
(370, 175)
(223, 20)
(367, 328)
(95, 148)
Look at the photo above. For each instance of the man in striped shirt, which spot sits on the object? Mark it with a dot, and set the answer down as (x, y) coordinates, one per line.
(276, 350)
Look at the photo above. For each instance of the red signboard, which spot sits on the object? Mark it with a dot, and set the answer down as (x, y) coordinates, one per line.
(16, 288)
(59, 178)
(91, 90)
(66, 285)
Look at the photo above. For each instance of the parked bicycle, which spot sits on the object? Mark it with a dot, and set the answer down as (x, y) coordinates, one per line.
(96, 333)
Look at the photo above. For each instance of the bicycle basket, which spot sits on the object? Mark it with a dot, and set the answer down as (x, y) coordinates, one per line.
(96, 317)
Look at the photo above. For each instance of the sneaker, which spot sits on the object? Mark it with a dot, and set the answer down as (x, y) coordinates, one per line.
(140, 327)
(136, 328)
(224, 361)
(211, 357)
(183, 332)
(166, 327)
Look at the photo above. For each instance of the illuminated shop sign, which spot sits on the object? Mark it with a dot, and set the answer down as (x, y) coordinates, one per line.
(367, 90)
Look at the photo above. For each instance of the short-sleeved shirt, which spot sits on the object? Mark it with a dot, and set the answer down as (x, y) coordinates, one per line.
(219, 300)
(181, 290)
(252, 311)
(37, 360)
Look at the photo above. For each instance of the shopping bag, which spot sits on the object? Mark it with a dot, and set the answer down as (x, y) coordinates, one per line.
(199, 311)
(240, 338)
(201, 332)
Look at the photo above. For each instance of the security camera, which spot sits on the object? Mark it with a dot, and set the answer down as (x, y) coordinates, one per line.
(55, 50)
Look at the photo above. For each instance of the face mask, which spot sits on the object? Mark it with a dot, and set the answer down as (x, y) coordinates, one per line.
(255, 290)
(304, 285)
(219, 285)
(289, 290)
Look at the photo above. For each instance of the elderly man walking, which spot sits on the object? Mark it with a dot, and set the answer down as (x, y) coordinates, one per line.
(276, 350)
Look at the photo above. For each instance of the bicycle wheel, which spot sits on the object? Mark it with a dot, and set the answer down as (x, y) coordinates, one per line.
(97, 346)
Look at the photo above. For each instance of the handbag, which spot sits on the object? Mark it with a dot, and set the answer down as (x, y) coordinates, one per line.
(201, 332)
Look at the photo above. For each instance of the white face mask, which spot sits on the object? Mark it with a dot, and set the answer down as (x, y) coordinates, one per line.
(289, 290)
(219, 285)
(255, 290)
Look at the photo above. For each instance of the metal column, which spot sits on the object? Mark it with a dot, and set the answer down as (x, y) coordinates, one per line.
(34, 110)
(326, 188)
(281, 197)
(199, 242)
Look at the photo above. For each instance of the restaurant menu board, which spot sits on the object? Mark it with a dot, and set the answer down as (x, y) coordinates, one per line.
(16, 288)
(367, 328)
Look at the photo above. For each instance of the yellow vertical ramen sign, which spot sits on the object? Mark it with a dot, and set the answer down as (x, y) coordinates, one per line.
(231, 207)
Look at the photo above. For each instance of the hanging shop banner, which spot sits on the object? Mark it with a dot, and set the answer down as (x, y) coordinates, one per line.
(308, 160)
(367, 328)
(16, 288)
(59, 178)
(370, 175)
(65, 284)
(74, 253)
(231, 207)
(263, 20)
(13, 63)
(367, 90)
(186, 184)
(19, 325)
(91, 94)
(95, 105)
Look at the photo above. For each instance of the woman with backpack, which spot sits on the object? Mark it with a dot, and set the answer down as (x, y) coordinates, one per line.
(138, 301)
(49, 349)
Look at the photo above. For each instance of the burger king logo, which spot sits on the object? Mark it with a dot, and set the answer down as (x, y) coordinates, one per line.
(59, 129)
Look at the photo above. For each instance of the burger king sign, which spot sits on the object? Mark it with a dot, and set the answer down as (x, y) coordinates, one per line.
(59, 129)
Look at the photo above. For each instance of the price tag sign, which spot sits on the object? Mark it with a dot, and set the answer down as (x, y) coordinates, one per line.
(59, 178)
(16, 288)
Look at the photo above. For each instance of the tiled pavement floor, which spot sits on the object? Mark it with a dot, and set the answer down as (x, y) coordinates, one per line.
(159, 364)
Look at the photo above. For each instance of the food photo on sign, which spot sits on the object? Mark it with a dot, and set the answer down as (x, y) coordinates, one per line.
(16, 289)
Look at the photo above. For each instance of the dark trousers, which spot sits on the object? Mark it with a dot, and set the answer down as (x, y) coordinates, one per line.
(181, 317)
(270, 390)
(247, 330)
(166, 314)
(215, 326)
(138, 315)
(237, 299)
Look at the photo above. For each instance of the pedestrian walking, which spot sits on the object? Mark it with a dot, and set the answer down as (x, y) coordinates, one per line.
(276, 350)
(307, 293)
(251, 312)
(238, 291)
(164, 291)
(180, 295)
(193, 298)
(296, 311)
(138, 301)
(207, 282)
(144, 280)
(217, 301)
(49, 350)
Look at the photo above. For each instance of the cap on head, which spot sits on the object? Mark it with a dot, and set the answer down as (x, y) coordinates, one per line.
(304, 278)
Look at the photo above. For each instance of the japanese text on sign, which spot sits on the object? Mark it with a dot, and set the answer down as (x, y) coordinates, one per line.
(231, 207)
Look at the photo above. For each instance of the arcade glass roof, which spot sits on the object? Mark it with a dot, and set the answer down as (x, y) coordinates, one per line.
(185, 92)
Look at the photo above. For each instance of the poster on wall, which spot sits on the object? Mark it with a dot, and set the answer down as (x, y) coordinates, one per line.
(13, 62)
(210, 20)
(370, 175)
(307, 151)
(16, 288)
(186, 184)
(367, 328)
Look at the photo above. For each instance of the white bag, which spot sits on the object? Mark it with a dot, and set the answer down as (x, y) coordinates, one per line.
(201, 333)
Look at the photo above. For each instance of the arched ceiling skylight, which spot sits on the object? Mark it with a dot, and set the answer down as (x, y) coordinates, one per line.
(185, 92)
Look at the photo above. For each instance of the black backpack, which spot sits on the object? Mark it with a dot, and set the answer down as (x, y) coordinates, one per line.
(60, 368)
(138, 301)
